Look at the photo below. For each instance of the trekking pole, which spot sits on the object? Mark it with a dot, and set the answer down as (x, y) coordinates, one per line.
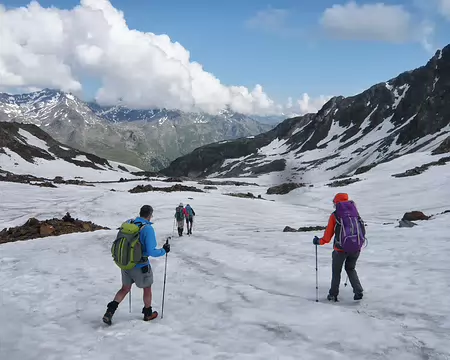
(317, 279)
(129, 300)
(164, 286)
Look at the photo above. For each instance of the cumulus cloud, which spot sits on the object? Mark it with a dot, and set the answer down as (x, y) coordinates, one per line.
(444, 6)
(368, 21)
(307, 104)
(49, 47)
(375, 22)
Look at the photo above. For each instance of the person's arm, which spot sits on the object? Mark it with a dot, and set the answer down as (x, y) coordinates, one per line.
(150, 242)
(329, 232)
(193, 212)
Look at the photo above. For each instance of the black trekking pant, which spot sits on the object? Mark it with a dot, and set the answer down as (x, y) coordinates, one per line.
(189, 220)
(339, 258)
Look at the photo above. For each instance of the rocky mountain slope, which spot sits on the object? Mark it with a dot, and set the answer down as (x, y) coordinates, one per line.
(349, 135)
(26, 149)
(149, 139)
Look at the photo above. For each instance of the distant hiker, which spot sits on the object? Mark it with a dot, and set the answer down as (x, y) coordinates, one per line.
(180, 215)
(134, 244)
(348, 228)
(190, 213)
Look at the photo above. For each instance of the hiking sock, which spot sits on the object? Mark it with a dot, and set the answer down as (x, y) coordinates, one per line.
(149, 314)
(110, 310)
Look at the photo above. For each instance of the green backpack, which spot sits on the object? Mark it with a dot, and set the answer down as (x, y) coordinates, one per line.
(126, 250)
(179, 214)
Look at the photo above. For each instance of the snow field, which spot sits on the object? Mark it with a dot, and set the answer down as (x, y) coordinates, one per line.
(238, 288)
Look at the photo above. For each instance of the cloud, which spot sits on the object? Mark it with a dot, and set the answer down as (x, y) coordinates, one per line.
(49, 47)
(270, 20)
(375, 22)
(444, 7)
(307, 104)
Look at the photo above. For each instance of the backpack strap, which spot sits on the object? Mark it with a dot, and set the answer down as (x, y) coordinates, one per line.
(141, 226)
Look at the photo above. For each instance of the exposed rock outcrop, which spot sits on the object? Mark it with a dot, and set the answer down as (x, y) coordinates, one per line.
(173, 188)
(35, 228)
(283, 188)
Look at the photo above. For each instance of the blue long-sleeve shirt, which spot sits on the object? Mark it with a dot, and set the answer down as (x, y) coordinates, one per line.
(148, 240)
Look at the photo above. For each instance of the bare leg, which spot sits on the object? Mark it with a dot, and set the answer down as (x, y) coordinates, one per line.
(122, 293)
(148, 297)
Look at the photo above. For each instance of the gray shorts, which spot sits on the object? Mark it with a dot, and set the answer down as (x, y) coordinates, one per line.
(136, 276)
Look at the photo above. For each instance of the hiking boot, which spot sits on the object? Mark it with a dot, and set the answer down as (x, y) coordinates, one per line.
(149, 314)
(332, 298)
(358, 296)
(110, 310)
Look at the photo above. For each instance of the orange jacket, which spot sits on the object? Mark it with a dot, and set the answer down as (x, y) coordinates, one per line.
(329, 231)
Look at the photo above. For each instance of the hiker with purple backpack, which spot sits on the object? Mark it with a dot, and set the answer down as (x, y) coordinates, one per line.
(349, 236)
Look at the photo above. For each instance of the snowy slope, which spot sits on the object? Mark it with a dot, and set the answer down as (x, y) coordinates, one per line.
(25, 149)
(238, 288)
(349, 135)
(148, 138)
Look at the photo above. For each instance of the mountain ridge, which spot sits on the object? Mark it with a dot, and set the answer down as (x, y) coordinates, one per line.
(405, 114)
(149, 139)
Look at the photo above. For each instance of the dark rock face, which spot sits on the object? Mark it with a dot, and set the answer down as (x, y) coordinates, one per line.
(443, 148)
(209, 187)
(339, 183)
(173, 188)
(403, 110)
(171, 179)
(276, 165)
(208, 159)
(283, 188)
(415, 216)
(229, 182)
(11, 139)
(420, 169)
(35, 228)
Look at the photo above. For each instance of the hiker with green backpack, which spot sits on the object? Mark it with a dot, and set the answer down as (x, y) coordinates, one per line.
(134, 244)
(180, 215)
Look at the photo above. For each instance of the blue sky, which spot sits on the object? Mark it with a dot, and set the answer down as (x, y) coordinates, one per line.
(286, 48)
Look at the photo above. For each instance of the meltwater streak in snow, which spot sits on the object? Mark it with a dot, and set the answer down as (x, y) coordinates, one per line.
(238, 288)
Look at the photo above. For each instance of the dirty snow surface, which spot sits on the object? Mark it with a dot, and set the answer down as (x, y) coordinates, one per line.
(238, 288)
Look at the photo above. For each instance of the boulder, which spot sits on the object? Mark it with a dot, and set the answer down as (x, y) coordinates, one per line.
(289, 229)
(406, 224)
(209, 187)
(415, 215)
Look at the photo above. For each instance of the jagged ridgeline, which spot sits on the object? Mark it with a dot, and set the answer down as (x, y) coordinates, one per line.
(349, 135)
(148, 139)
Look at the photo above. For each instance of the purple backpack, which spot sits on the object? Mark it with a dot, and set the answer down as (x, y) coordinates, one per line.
(350, 231)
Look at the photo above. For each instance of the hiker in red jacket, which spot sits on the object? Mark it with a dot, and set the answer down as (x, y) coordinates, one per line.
(349, 236)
